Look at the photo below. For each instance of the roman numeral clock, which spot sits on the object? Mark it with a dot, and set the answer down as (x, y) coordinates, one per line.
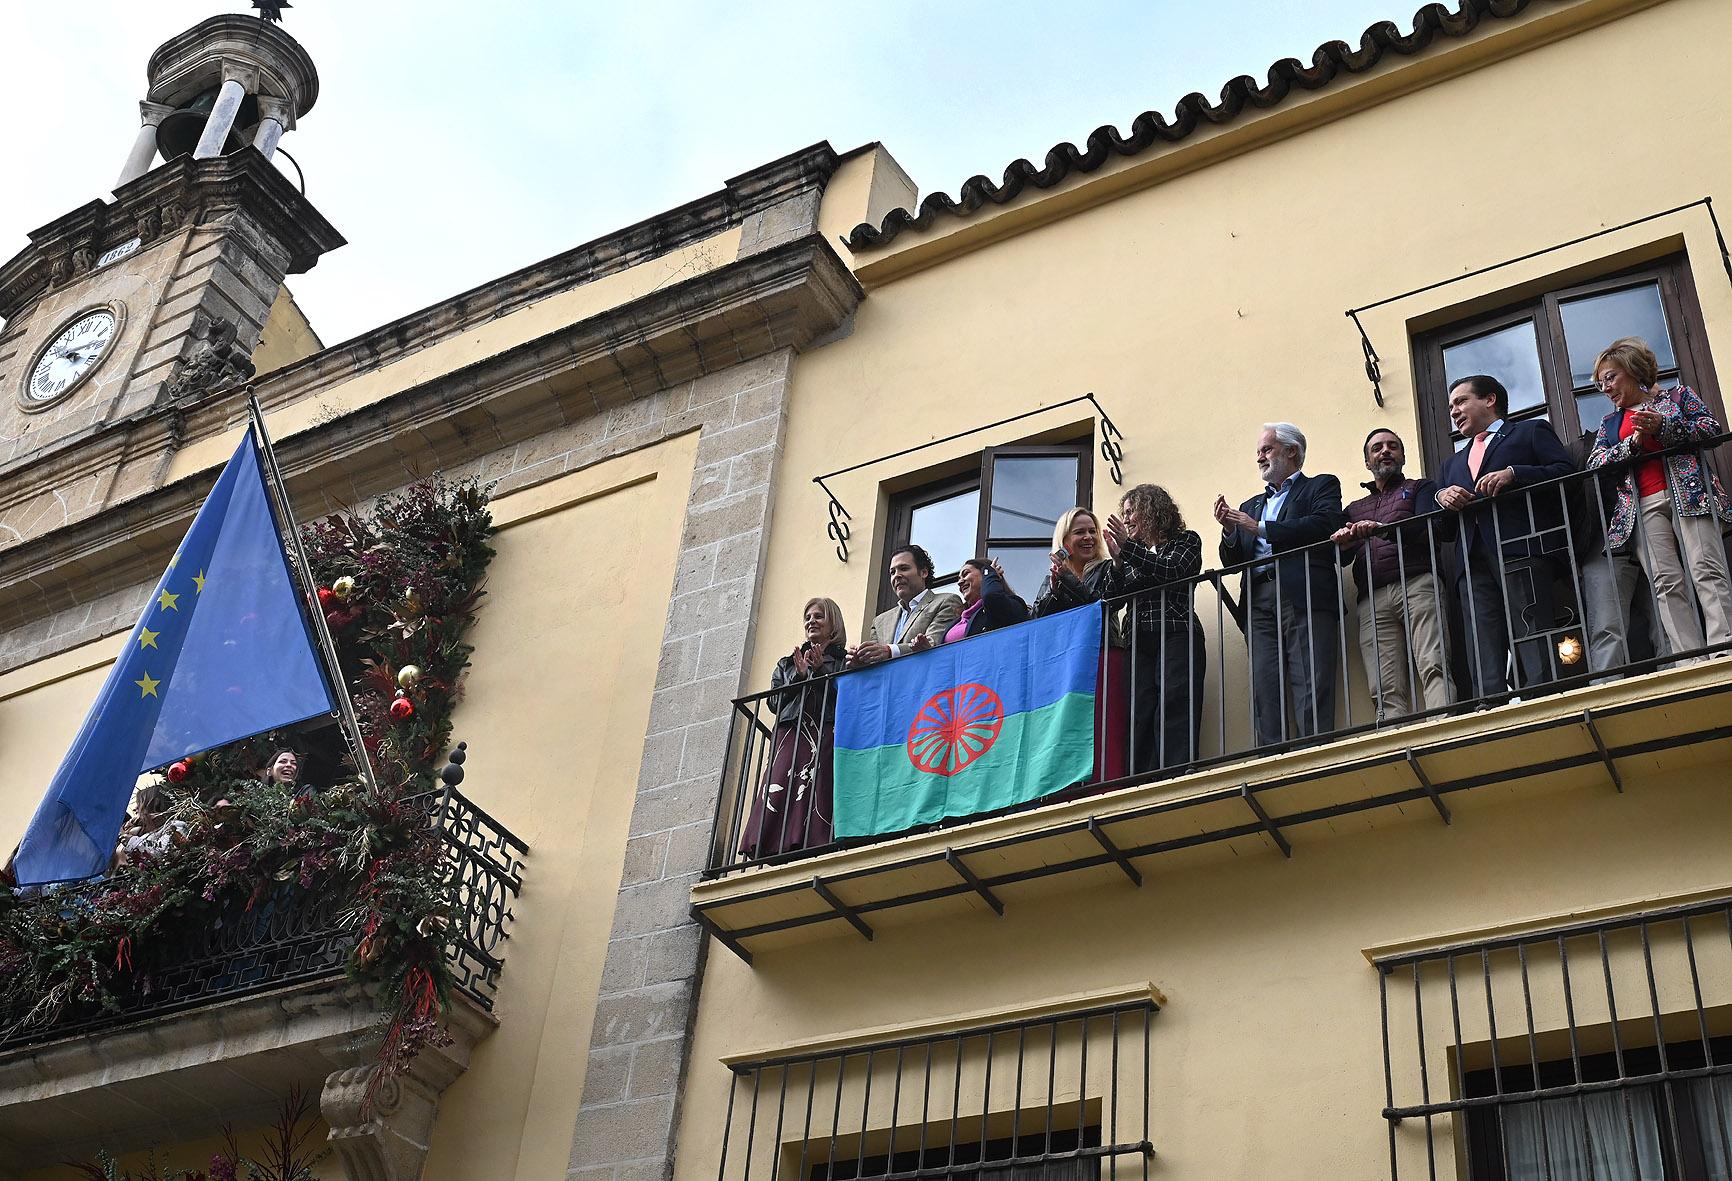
(72, 355)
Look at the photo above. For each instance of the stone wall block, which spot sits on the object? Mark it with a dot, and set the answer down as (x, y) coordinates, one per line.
(653, 906)
(608, 1073)
(644, 857)
(726, 518)
(628, 1131)
(627, 965)
(679, 661)
(645, 1014)
(661, 808)
(655, 1068)
(672, 955)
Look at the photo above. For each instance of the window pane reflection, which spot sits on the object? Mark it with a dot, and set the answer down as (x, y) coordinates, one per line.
(1592, 323)
(1025, 568)
(1592, 410)
(946, 529)
(1029, 494)
(1512, 355)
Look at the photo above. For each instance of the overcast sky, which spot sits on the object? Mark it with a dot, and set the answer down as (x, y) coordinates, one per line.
(455, 140)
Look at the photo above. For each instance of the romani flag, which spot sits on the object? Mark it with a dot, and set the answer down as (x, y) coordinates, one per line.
(999, 719)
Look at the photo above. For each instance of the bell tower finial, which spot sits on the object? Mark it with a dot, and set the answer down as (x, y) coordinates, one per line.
(231, 81)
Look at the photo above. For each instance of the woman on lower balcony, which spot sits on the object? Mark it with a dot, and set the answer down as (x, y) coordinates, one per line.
(1672, 507)
(792, 808)
(1081, 574)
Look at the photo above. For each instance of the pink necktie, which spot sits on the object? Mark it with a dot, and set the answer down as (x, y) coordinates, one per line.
(1476, 453)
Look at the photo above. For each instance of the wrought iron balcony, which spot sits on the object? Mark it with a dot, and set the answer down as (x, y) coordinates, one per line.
(299, 936)
(1550, 636)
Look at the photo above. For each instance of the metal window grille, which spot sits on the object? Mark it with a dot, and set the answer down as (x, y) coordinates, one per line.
(1597, 1049)
(1056, 1098)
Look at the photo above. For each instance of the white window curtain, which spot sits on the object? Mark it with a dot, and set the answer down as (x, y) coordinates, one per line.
(1711, 1101)
(1585, 1138)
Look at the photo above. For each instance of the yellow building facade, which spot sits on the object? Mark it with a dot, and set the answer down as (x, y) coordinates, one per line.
(1371, 955)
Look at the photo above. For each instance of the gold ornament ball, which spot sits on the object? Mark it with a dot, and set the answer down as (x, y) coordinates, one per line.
(408, 676)
(412, 601)
(343, 587)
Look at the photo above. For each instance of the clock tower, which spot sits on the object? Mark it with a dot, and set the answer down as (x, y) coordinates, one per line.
(122, 313)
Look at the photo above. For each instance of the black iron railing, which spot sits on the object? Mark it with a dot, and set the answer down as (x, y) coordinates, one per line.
(1595, 1049)
(1063, 1096)
(295, 936)
(1526, 593)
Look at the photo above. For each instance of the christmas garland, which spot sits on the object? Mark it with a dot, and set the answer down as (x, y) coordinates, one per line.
(399, 588)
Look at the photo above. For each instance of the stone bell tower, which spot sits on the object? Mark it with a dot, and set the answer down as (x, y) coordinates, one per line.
(126, 310)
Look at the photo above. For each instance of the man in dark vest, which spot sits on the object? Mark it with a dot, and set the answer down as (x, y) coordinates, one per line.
(1401, 629)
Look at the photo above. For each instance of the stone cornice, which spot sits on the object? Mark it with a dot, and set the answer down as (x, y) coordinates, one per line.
(752, 192)
(191, 61)
(784, 297)
(178, 193)
(749, 193)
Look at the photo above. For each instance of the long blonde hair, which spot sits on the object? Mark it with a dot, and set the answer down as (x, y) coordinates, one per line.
(1067, 522)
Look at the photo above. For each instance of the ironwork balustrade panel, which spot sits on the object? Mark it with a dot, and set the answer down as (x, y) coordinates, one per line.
(294, 936)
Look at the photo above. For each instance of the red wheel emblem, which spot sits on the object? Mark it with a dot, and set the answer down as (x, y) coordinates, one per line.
(955, 728)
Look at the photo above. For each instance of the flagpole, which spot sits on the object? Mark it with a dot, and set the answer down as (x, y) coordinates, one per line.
(291, 531)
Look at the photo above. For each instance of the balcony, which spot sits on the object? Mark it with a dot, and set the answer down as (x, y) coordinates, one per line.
(259, 1001)
(1554, 690)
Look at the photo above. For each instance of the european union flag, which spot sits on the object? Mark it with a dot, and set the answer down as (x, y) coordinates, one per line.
(221, 652)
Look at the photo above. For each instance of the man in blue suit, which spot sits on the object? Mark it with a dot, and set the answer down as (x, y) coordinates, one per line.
(1289, 607)
(1513, 543)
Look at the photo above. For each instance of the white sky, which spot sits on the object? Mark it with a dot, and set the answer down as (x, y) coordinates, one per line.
(456, 140)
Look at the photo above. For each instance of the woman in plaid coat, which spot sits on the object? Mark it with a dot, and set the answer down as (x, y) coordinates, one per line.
(1672, 507)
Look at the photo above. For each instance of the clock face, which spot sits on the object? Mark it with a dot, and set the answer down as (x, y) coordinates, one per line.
(72, 354)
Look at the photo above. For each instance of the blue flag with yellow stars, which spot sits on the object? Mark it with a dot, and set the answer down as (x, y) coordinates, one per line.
(221, 652)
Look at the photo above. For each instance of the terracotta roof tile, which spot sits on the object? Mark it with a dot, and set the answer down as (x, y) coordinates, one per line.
(1329, 62)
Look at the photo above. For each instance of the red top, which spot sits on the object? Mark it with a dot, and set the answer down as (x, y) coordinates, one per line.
(1650, 476)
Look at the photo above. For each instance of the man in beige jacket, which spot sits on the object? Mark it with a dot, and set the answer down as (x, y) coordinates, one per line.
(920, 617)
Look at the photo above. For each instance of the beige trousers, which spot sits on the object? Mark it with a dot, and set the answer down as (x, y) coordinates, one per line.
(1674, 548)
(1401, 639)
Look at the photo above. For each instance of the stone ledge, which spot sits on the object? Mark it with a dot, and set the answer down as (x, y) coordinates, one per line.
(183, 1076)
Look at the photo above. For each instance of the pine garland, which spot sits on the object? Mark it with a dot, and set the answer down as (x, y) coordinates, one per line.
(410, 574)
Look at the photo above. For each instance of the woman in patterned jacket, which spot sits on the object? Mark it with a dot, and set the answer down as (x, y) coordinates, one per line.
(1673, 507)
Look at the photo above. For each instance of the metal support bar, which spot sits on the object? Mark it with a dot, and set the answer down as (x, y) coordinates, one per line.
(1114, 852)
(1373, 363)
(1112, 450)
(1600, 745)
(839, 517)
(842, 908)
(973, 880)
(1372, 368)
(1269, 826)
(1425, 782)
(720, 936)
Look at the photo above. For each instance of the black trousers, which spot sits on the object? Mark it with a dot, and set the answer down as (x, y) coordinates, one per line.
(1293, 654)
(1505, 601)
(1167, 670)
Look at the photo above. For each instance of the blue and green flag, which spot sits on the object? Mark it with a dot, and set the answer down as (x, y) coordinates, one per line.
(999, 719)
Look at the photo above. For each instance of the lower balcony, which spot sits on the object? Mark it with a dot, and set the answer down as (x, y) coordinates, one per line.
(258, 1003)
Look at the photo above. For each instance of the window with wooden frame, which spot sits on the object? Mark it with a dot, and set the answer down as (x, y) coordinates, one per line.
(1543, 350)
(1003, 505)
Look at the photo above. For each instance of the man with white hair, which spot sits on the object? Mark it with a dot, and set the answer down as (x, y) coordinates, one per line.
(1289, 607)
